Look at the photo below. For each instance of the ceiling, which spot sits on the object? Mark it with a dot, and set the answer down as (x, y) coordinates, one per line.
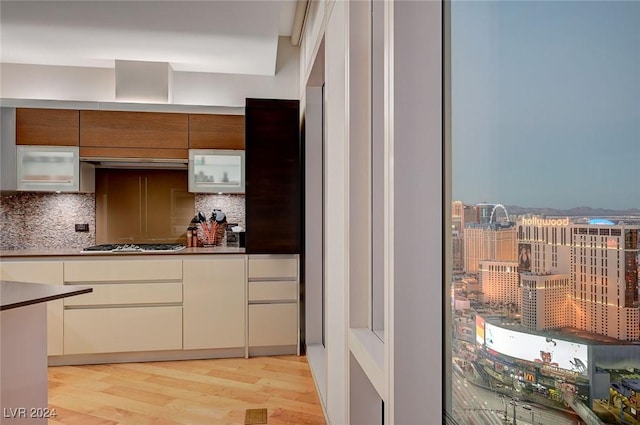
(228, 37)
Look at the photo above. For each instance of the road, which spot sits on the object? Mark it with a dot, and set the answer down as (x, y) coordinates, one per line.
(478, 406)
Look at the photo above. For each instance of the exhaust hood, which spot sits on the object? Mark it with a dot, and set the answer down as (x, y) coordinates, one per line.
(143, 82)
(137, 163)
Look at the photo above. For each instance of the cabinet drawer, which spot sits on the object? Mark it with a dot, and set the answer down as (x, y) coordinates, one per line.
(273, 291)
(273, 268)
(273, 324)
(129, 293)
(112, 330)
(122, 270)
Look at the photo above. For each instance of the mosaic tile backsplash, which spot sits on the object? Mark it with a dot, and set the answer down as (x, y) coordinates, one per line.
(31, 220)
(231, 205)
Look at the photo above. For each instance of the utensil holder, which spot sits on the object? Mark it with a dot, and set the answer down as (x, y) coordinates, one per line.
(213, 235)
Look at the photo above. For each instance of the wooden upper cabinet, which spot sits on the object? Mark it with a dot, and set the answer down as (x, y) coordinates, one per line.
(216, 131)
(134, 134)
(55, 127)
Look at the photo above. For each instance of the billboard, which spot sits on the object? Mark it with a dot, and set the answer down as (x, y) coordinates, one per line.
(537, 349)
(479, 330)
(524, 257)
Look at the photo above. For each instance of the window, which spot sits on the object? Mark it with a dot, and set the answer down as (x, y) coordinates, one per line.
(537, 89)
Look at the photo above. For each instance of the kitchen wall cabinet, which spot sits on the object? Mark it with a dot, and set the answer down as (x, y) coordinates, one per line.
(216, 171)
(214, 302)
(216, 131)
(136, 306)
(273, 177)
(40, 151)
(8, 163)
(145, 135)
(47, 272)
(273, 308)
(51, 127)
(52, 169)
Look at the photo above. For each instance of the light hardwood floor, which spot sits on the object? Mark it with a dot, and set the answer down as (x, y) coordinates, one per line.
(194, 392)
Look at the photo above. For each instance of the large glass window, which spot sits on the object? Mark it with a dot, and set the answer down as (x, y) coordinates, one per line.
(545, 169)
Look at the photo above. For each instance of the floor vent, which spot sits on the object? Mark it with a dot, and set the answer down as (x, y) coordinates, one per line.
(255, 416)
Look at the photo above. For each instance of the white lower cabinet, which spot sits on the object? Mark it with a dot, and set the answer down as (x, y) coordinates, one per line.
(122, 329)
(214, 302)
(273, 291)
(164, 307)
(48, 272)
(273, 325)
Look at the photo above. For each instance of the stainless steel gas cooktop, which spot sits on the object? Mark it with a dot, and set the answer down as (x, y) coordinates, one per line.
(142, 247)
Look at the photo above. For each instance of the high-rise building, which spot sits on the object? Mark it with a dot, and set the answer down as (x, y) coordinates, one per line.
(601, 259)
(546, 301)
(492, 241)
(457, 208)
(457, 247)
(483, 213)
(457, 241)
(499, 282)
(460, 214)
(604, 268)
(469, 215)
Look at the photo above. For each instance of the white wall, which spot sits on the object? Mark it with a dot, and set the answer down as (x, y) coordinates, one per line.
(313, 232)
(19, 81)
(44, 82)
(418, 202)
(336, 207)
(198, 88)
(409, 379)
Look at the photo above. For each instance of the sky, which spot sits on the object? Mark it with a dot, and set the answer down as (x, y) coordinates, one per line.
(546, 103)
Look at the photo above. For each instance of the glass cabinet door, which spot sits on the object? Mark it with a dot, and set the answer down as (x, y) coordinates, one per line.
(216, 171)
(48, 168)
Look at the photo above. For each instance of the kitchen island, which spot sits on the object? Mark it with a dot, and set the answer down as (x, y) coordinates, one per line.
(23, 349)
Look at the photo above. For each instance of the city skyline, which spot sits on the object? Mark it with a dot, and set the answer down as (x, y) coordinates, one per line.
(580, 211)
(550, 301)
(546, 103)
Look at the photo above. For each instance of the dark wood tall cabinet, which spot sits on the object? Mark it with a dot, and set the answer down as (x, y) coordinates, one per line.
(273, 176)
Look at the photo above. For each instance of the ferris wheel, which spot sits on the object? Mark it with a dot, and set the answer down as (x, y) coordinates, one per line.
(493, 213)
